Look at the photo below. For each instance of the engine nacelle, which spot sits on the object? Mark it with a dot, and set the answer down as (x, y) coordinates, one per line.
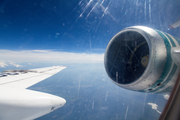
(143, 59)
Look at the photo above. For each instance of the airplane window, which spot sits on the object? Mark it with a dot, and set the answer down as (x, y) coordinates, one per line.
(108, 59)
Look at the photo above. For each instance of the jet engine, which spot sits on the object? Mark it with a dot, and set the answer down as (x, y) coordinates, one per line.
(142, 59)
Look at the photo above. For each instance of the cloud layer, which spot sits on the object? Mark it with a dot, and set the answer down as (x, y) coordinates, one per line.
(3, 64)
(166, 96)
(9, 63)
(49, 56)
(154, 106)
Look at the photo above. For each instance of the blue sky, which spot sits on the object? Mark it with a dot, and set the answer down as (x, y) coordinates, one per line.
(48, 29)
(78, 25)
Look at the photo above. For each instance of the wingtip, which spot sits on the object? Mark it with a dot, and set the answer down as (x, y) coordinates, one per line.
(64, 66)
(60, 66)
(171, 26)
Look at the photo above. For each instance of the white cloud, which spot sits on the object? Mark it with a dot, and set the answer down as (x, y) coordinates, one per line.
(9, 63)
(154, 106)
(166, 96)
(3, 64)
(15, 64)
(50, 56)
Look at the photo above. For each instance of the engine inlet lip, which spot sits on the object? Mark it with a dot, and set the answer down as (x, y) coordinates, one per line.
(146, 37)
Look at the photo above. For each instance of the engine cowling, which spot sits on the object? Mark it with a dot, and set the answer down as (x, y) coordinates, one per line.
(141, 59)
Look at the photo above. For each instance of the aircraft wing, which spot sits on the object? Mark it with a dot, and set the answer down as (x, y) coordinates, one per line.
(19, 103)
(27, 78)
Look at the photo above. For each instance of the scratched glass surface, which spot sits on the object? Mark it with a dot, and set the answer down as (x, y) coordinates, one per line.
(75, 33)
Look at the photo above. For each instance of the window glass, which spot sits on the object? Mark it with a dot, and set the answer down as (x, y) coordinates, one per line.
(75, 33)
